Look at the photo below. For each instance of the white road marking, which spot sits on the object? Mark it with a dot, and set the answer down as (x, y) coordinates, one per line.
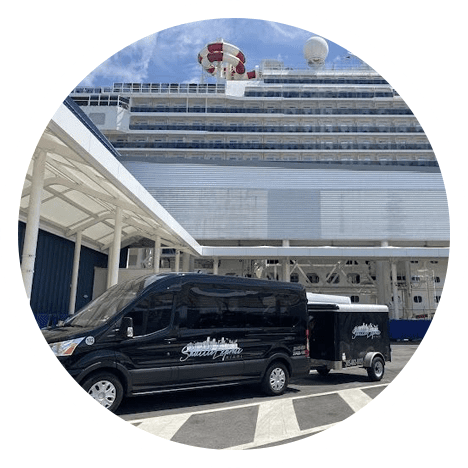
(164, 426)
(355, 398)
(276, 419)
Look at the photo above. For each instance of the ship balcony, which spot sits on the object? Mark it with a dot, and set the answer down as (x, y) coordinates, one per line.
(318, 146)
(228, 111)
(303, 128)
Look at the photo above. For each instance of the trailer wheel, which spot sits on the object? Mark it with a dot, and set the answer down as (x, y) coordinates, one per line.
(377, 369)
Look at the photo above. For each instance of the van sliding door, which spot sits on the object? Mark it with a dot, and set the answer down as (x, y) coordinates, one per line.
(211, 350)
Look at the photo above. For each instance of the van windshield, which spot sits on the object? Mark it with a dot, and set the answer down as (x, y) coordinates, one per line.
(110, 303)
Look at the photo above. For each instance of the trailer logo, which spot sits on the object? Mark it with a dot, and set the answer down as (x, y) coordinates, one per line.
(212, 347)
(369, 331)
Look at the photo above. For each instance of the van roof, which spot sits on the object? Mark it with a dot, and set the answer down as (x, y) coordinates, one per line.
(239, 280)
(221, 279)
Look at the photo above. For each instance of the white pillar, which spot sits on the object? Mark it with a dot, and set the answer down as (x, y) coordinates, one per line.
(286, 265)
(406, 312)
(76, 267)
(396, 312)
(32, 223)
(114, 254)
(215, 265)
(157, 253)
(185, 261)
(177, 261)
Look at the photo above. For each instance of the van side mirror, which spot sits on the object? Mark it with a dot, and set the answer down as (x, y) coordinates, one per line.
(126, 328)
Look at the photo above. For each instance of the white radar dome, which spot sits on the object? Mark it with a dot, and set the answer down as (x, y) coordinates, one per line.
(316, 50)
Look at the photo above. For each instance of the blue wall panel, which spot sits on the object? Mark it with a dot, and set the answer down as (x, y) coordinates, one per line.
(408, 329)
(53, 270)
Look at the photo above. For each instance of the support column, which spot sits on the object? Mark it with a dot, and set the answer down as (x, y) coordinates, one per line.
(215, 265)
(408, 299)
(286, 270)
(382, 270)
(185, 261)
(286, 265)
(177, 261)
(157, 254)
(32, 223)
(76, 268)
(113, 267)
(396, 312)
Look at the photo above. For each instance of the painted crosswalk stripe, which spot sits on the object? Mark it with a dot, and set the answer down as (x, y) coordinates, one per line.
(276, 421)
(355, 398)
(164, 426)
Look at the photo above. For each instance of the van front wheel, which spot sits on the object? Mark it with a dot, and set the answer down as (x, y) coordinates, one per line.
(106, 389)
(276, 379)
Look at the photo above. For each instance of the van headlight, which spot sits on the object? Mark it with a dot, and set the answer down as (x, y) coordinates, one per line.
(65, 348)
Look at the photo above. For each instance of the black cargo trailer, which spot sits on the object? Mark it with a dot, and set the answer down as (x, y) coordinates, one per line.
(343, 335)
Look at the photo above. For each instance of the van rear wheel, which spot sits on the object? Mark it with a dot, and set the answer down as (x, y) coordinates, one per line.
(106, 389)
(276, 379)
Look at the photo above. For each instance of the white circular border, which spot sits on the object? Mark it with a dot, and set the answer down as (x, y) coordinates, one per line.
(254, 10)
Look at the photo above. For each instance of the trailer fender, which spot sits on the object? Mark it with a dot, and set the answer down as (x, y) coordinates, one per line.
(369, 357)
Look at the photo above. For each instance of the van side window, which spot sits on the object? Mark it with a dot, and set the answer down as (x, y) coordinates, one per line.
(151, 314)
(207, 307)
(213, 306)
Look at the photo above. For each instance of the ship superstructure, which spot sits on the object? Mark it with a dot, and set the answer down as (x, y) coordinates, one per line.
(281, 159)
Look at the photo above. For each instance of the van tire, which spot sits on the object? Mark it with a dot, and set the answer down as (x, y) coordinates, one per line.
(377, 369)
(105, 388)
(276, 379)
(323, 371)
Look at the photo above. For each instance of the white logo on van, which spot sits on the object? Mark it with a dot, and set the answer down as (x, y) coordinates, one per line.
(89, 340)
(369, 331)
(211, 347)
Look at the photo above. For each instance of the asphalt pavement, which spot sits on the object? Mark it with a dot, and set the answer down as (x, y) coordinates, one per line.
(241, 417)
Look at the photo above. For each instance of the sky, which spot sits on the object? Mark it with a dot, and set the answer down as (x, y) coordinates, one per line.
(170, 55)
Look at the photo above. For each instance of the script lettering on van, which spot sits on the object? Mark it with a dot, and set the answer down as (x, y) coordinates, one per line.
(210, 347)
(367, 330)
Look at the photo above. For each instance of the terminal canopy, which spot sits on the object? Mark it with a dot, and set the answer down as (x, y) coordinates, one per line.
(84, 184)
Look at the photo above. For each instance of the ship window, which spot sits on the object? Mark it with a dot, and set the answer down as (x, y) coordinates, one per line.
(313, 278)
(333, 278)
(354, 278)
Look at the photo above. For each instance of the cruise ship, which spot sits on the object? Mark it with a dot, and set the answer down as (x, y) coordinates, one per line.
(320, 175)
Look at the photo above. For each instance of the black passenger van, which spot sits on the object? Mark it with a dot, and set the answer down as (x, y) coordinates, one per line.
(185, 330)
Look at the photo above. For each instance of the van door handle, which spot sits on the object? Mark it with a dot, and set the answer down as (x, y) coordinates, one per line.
(170, 340)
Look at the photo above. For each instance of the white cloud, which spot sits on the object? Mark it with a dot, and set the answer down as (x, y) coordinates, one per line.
(171, 54)
(283, 31)
(130, 64)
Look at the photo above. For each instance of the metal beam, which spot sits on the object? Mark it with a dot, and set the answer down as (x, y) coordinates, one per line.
(376, 253)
